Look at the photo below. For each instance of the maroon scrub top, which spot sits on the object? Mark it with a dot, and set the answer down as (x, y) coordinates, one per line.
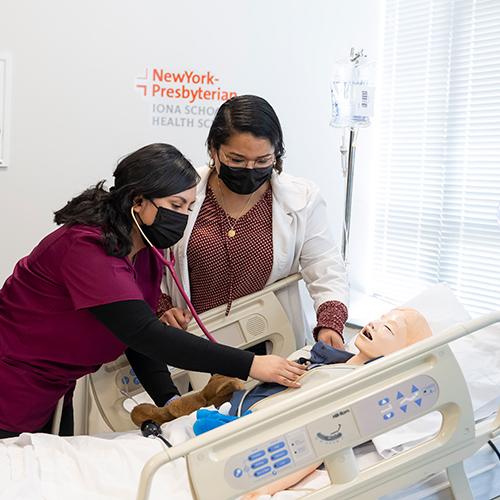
(48, 338)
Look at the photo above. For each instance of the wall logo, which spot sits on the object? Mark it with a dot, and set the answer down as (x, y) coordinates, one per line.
(184, 98)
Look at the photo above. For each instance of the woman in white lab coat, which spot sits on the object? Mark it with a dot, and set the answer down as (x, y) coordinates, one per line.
(252, 224)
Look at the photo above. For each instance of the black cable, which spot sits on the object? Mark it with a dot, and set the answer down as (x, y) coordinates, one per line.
(495, 449)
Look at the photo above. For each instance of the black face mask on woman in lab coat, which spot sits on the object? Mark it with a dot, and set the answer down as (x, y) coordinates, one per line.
(244, 180)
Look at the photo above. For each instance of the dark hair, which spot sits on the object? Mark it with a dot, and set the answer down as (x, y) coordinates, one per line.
(154, 171)
(247, 113)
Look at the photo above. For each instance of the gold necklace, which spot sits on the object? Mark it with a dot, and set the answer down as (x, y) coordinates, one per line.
(232, 232)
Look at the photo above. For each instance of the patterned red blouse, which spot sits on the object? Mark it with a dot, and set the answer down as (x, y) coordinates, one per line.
(222, 269)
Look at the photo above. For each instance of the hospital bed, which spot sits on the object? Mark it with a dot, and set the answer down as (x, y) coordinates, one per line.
(325, 422)
(254, 319)
(92, 464)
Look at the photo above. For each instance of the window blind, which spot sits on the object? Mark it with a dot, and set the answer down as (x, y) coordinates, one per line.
(438, 164)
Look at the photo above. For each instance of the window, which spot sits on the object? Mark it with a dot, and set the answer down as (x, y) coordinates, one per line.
(438, 167)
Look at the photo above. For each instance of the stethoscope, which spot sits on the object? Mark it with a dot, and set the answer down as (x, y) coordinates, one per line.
(170, 265)
(152, 429)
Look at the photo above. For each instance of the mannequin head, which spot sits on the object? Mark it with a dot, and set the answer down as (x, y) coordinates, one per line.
(399, 328)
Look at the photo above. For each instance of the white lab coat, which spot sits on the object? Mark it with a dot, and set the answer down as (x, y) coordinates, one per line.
(302, 241)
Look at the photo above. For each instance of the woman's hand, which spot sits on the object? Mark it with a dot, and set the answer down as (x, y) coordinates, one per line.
(331, 337)
(272, 368)
(177, 317)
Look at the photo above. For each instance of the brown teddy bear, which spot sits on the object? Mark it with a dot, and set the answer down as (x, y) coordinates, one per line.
(218, 390)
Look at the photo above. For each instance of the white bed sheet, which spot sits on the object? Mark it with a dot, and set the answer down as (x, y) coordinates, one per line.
(47, 467)
(42, 466)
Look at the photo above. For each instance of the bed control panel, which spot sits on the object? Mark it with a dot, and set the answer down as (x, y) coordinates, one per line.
(398, 403)
(127, 382)
(272, 459)
(372, 415)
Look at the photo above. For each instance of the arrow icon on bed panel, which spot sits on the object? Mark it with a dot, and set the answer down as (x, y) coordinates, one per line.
(404, 408)
(400, 395)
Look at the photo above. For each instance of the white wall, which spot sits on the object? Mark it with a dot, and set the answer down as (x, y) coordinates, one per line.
(75, 108)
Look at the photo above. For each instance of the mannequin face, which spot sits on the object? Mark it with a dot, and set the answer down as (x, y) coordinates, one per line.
(393, 331)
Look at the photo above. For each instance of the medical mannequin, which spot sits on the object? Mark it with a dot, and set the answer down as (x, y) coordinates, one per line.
(393, 331)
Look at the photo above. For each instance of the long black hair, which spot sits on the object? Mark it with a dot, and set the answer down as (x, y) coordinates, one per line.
(154, 171)
(247, 113)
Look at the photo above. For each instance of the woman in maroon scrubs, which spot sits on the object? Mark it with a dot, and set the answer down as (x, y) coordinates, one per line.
(88, 292)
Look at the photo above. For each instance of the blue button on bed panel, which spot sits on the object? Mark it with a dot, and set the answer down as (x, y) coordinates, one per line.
(276, 446)
(389, 415)
(259, 463)
(280, 454)
(383, 401)
(261, 472)
(282, 463)
(256, 455)
(237, 473)
(125, 380)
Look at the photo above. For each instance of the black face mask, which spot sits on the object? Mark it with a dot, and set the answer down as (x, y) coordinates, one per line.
(167, 228)
(244, 180)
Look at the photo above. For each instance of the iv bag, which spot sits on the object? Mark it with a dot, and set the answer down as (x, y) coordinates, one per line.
(352, 94)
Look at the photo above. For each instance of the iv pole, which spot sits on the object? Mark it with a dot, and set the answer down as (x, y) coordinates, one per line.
(348, 157)
(348, 153)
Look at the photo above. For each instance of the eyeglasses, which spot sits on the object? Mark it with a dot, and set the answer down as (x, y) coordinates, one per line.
(239, 162)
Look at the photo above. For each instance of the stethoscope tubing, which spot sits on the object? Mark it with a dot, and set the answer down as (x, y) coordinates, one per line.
(170, 265)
